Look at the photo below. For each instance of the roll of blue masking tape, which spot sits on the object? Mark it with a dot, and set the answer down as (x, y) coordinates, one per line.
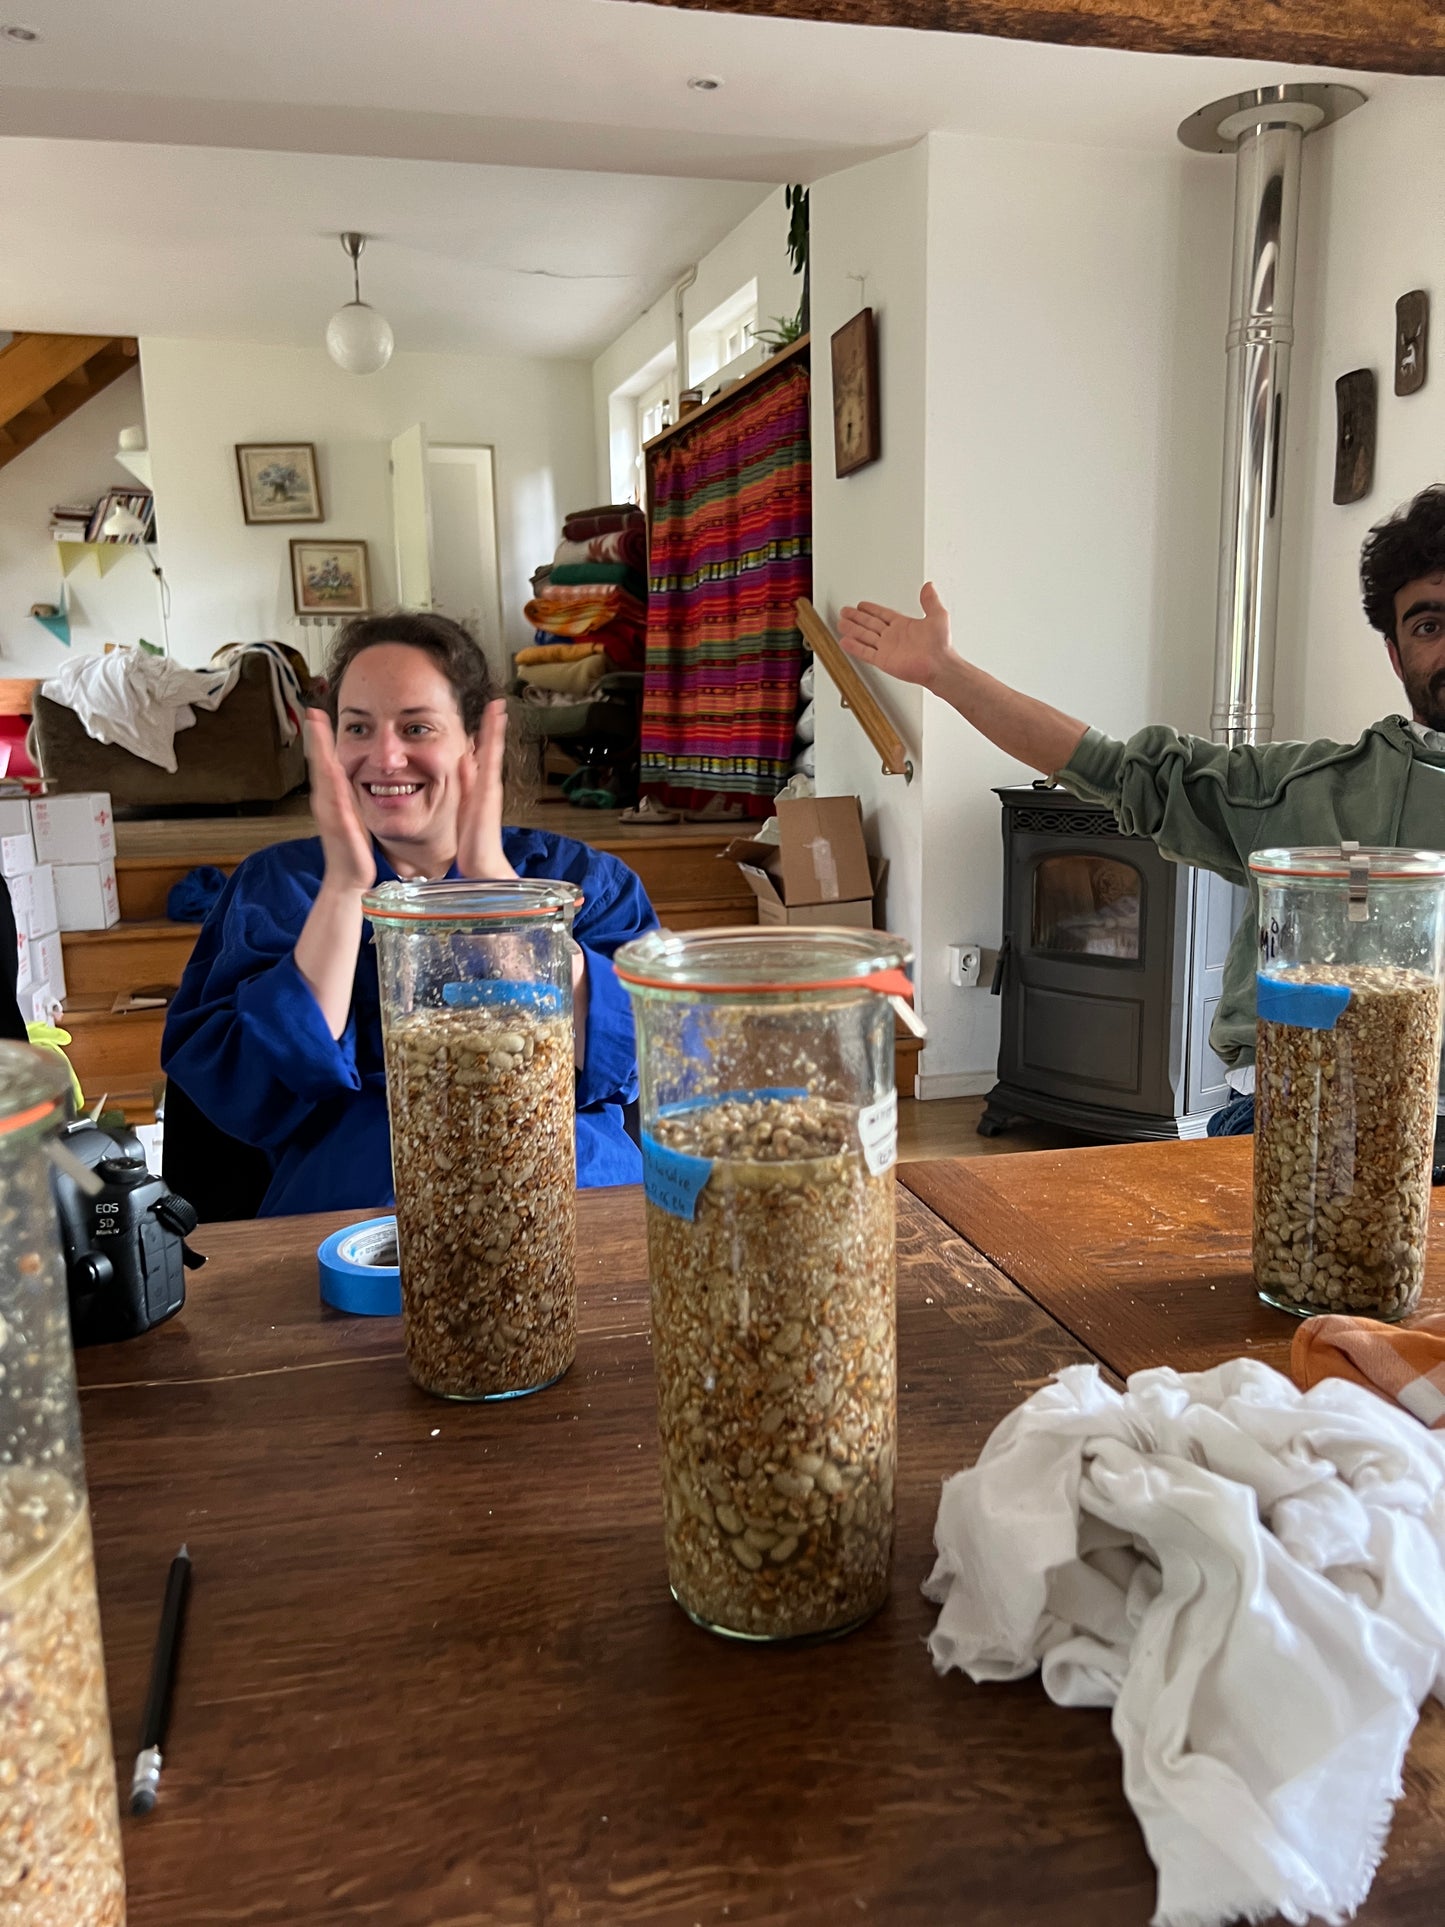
(359, 1269)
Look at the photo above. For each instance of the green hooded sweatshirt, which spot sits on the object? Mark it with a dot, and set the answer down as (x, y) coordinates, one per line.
(1210, 805)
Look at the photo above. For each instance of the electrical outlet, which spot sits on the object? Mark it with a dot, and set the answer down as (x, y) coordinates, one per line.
(964, 963)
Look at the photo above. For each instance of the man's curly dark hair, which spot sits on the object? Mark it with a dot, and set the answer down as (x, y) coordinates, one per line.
(1408, 546)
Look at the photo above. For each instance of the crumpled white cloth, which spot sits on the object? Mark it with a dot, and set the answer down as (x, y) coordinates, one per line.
(1251, 1576)
(138, 700)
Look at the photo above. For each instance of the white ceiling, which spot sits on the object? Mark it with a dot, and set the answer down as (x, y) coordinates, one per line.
(443, 127)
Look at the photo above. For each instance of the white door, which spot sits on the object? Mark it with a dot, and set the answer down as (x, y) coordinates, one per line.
(465, 581)
(411, 519)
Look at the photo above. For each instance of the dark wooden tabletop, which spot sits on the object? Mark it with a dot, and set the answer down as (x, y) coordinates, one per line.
(433, 1678)
(1142, 1251)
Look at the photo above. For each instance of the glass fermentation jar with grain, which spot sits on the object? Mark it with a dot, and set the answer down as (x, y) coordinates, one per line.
(476, 1010)
(1347, 1075)
(770, 1126)
(60, 1854)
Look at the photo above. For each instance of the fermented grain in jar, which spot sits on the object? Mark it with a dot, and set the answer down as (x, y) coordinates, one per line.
(1347, 1075)
(476, 995)
(769, 1120)
(60, 1856)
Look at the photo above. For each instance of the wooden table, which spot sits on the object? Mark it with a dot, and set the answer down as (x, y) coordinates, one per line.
(433, 1677)
(1142, 1251)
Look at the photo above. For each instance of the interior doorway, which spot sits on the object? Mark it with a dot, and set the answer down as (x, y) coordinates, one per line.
(465, 575)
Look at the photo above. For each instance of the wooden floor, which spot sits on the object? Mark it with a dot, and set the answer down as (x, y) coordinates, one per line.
(947, 1127)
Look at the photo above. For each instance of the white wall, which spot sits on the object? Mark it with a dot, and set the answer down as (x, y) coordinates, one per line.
(1051, 336)
(73, 463)
(868, 528)
(1077, 309)
(757, 247)
(1371, 228)
(231, 582)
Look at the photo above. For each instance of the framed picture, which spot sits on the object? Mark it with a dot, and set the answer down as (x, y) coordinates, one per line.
(279, 482)
(856, 439)
(330, 578)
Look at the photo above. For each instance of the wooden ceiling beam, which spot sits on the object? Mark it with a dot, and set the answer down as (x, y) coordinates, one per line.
(1381, 36)
(31, 365)
(108, 358)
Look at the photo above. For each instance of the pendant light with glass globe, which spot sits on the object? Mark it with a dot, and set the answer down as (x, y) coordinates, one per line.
(358, 339)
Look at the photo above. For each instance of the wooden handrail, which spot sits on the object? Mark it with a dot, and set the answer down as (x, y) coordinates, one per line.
(855, 693)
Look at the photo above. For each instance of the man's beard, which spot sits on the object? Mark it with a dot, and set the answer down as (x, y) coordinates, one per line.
(1427, 699)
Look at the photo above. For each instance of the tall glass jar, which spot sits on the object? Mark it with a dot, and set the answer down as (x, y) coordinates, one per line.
(59, 1822)
(476, 1008)
(1352, 944)
(770, 1127)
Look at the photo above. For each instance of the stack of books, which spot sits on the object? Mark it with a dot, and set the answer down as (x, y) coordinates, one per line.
(69, 523)
(139, 501)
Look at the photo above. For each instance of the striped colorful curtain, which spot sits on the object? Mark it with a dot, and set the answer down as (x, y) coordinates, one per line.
(729, 555)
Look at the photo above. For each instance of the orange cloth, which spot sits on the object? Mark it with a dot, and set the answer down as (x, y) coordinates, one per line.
(1405, 1363)
(556, 652)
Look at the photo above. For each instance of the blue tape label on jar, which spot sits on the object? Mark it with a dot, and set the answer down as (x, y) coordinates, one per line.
(673, 1180)
(545, 999)
(1278, 1000)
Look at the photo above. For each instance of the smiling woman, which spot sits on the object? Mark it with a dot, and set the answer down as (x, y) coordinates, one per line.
(276, 1030)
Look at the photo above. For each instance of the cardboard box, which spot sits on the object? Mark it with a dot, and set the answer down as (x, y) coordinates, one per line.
(816, 870)
(22, 897)
(73, 829)
(14, 816)
(858, 914)
(48, 962)
(17, 854)
(85, 895)
(22, 952)
(42, 913)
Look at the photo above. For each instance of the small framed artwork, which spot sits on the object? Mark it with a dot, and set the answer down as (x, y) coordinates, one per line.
(279, 482)
(1354, 435)
(856, 439)
(330, 578)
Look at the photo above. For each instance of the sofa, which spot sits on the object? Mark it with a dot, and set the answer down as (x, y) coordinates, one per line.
(232, 754)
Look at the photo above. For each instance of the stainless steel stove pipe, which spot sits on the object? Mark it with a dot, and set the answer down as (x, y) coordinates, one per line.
(1265, 130)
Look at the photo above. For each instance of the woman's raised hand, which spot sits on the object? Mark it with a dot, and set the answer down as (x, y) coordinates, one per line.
(912, 648)
(350, 860)
(479, 814)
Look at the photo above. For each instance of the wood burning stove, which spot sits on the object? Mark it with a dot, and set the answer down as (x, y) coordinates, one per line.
(1109, 974)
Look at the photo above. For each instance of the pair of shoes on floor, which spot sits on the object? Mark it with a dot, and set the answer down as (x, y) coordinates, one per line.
(718, 809)
(649, 810)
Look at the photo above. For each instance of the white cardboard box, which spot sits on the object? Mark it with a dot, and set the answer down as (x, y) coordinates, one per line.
(43, 913)
(14, 816)
(48, 962)
(22, 951)
(22, 897)
(17, 853)
(73, 829)
(86, 896)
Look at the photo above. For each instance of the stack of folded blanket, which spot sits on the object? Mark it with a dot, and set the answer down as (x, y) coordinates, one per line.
(595, 592)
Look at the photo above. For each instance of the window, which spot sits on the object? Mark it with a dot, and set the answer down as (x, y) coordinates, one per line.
(723, 336)
(1087, 906)
(653, 411)
(635, 413)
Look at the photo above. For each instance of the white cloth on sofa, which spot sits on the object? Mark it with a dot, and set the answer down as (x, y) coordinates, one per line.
(138, 701)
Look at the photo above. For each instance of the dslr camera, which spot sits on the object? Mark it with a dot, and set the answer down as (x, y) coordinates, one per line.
(124, 1240)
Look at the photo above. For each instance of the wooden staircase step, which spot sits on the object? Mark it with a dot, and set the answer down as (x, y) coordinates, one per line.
(152, 950)
(109, 1051)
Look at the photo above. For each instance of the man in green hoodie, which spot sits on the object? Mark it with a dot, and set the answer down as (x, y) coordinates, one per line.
(1210, 805)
